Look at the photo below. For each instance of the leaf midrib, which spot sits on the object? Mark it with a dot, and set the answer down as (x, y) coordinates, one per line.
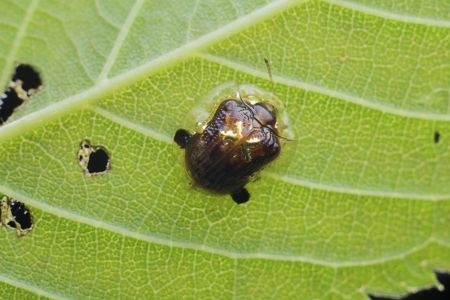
(374, 11)
(29, 287)
(108, 86)
(160, 240)
(56, 295)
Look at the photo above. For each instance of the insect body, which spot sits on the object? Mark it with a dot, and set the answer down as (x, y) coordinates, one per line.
(15, 215)
(239, 140)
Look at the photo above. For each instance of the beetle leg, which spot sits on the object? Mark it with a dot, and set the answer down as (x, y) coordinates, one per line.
(240, 196)
(182, 138)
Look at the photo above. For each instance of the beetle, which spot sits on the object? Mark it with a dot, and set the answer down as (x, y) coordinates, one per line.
(238, 141)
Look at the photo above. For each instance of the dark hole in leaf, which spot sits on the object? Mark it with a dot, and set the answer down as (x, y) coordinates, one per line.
(9, 101)
(437, 137)
(15, 94)
(433, 293)
(98, 161)
(28, 75)
(21, 214)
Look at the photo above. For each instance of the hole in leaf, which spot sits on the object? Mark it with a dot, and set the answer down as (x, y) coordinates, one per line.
(24, 82)
(437, 137)
(15, 215)
(21, 214)
(94, 160)
(426, 294)
(98, 161)
(29, 76)
(9, 101)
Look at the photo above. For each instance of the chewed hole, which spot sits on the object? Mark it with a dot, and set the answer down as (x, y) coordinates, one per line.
(24, 83)
(21, 214)
(28, 75)
(98, 161)
(437, 137)
(15, 215)
(441, 291)
(10, 100)
(94, 160)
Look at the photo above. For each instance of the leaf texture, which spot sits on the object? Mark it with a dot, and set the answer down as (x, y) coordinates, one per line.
(357, 204)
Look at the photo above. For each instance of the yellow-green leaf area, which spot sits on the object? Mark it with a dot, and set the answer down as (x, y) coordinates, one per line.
(358, 203)
(419, 11)
(394, 65)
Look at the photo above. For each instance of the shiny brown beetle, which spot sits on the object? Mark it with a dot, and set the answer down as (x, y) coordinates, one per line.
(239, 140)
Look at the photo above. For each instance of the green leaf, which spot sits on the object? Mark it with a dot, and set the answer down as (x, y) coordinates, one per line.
(357, 204)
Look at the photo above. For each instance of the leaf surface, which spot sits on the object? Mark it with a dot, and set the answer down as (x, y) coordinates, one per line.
(358, 203)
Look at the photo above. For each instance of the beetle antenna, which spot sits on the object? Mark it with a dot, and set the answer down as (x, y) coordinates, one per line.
(269, 69)
(243, 101)
(282, 137)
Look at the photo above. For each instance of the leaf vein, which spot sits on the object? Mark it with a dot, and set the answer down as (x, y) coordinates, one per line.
(284, 178)
(325, 91)
(371, 10)
(106, 87)
(164, 241)
(17, 41)
(112, 57)
(26, 286)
